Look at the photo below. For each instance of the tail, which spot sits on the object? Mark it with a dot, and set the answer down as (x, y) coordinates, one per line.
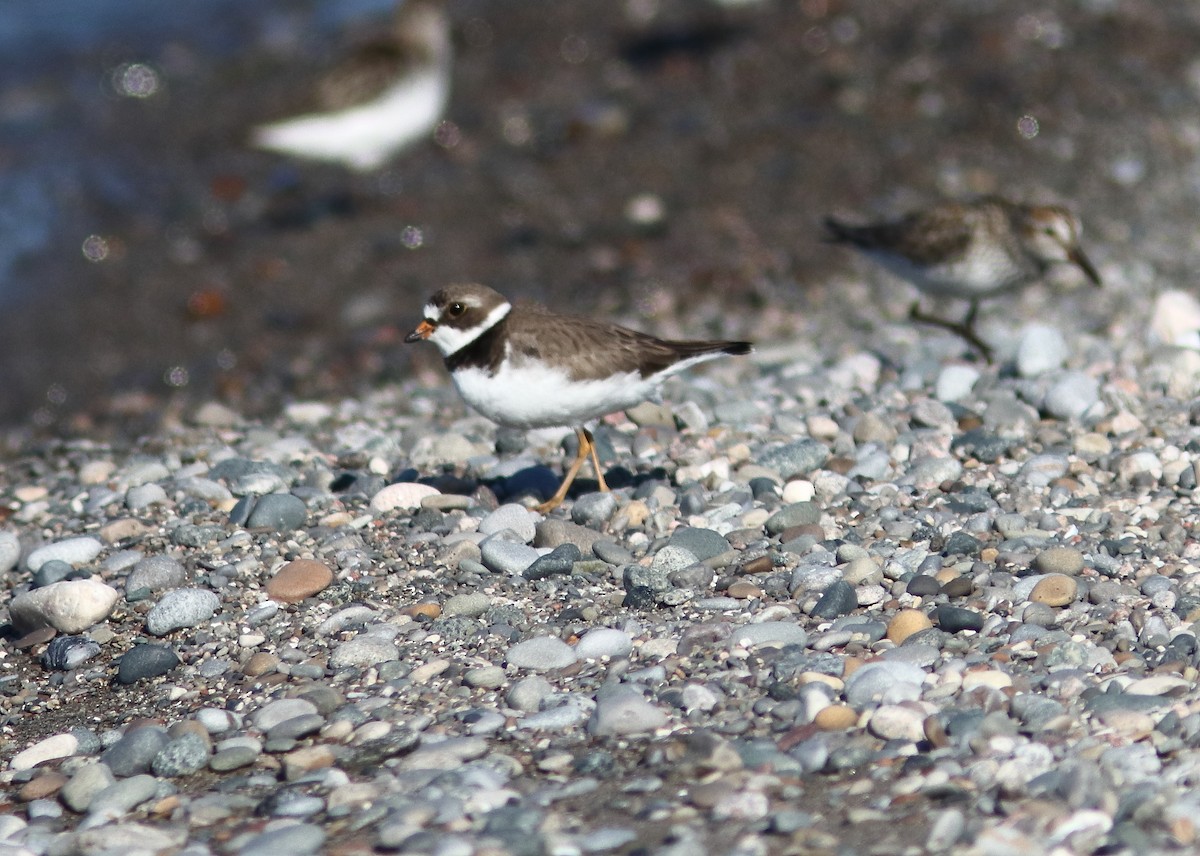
(692, 350)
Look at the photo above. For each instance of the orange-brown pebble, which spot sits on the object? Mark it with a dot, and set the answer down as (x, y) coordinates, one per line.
(45, 785)
(428, 610)
(298, 580)
(744, 591)
(259, 664)
(905, 623)
(988, 554)
(836, 717)
(1054, 590)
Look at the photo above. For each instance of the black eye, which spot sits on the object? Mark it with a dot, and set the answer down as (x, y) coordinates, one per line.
(454, 310)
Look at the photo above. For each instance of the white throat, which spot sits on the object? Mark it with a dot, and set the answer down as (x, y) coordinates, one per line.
(451, 340)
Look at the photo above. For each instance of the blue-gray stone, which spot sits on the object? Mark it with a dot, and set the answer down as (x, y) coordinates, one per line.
(955, 619)
(134, 752)
(515, 518)
(181, 608)
(278, 512)
(796, 514)
(146, 661)
(184, 755)
(593, 509)
(838, 599)
(795, 459)
(773, 632)
(53, 571)
(541, 654)
(701, 543)
(155, 573)
(124, 795)
(300, 839)
(506, 557)
(560, 560)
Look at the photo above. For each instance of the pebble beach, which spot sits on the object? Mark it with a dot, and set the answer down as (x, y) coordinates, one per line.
(269, 587)
(902, 605)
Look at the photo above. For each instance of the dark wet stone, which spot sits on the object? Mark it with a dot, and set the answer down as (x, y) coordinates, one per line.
(134, 752)
(838, 599)
(67, 652)
(54, 571)
(146, 661)
(962, 544)
(955, 619)
(701, 543)
(560, 560)
(923, 585)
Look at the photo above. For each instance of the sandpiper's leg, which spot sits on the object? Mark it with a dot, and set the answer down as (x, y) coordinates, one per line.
(591, 442)
(580, 456)
(964, 329)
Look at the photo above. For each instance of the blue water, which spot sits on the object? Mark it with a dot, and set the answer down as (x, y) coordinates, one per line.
(57, 61)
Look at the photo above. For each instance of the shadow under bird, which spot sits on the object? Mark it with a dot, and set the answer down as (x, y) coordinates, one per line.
(385, 96)
(969, 250)
(526, 367)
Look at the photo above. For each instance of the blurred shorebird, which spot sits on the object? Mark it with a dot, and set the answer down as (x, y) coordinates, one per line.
(526, 367)
(384, 97)
(970, 250)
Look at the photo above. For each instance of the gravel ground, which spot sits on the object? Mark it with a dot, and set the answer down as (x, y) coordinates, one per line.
(885, 605)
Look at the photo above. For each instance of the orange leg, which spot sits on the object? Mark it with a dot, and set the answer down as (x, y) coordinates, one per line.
(587, 446)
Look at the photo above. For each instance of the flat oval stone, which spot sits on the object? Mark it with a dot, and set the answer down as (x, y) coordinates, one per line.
(1054, 590)
(541, 654)
(58, 746)
(146, 661)
(73, 551)
(402, 496)
(905, 623)
(181, 608)
(299, 579)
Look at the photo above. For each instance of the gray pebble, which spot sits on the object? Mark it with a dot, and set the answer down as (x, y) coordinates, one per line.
(181, 608)
(281, 710)
(485, 677)
(622, 710)
(73, 551)
(560, 560)
(146, 661)
(884, 682)
(10, 551)
(277, 512)
(769, 632)
(704, 544)
(838, 599)
(471, 605)
(528, 693)
(184, 755)
(135, 751)
(514, 518)
(299, 839)
(365, 649)
(612, 552)
(541, 654)
(795, 459)
(1041, 349)
(1072, 396)
(124, 795)
(155, 573)
(144, 496)
(87, 781)
(593, 510)
(604, 642)
(505, 557)
(796, 514)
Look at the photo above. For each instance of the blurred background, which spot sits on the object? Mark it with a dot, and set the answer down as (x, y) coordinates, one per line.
(665, 163)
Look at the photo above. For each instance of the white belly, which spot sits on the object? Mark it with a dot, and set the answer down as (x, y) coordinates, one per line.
(533, 396)
(364, 137)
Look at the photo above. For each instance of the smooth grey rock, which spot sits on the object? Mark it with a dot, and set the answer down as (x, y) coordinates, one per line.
(560, 560)
(155, 573)
(604, 642)
(704, 544)
(1072, 396)
(73, 551)
(135, 751)
(515, 518)
(884, 681)
(87, 781)
(471, 605)
(184, 755)
(541, 654)
(146, 661)
(365, 649)
(181, 608)
(505, 557)
(593, 509)
(1041, 349)
(796, 514)
(622, 710)
(769, 632)
(281, 710)
(795, 459)
(10, 551)
(278, 512)
(124, 795)
(300, 839)
(528, 693)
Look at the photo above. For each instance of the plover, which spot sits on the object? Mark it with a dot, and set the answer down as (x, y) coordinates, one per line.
(385, 96)
(527, 367)
(970, 250)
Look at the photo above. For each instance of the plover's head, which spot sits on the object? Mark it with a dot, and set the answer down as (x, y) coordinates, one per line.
(1051, 234)
(458, 315)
